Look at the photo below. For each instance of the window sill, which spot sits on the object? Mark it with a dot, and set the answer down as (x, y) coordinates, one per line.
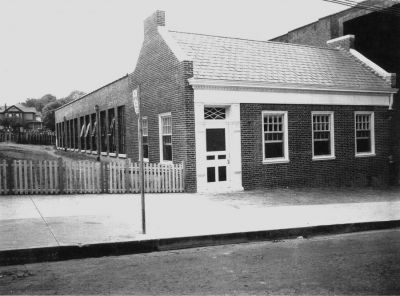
(166, 162)
(83, 150)
(112, 154)
(145, 159)
(316, 158)
(365, 155)
(122, 155)
(103, 153)
(276, 160)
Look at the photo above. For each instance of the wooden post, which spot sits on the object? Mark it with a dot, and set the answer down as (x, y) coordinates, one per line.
(10, 179)
(60, 174)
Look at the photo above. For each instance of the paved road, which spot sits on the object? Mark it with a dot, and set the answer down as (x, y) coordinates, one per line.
(362, 263)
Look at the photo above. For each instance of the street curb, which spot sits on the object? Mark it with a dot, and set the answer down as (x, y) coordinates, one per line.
(35, 255)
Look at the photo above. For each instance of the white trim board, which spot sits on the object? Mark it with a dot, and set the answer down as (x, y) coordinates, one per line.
(212, 96)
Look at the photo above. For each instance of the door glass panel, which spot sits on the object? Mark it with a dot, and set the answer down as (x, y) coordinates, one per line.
(215, 139)
(222, 173)
(211, 174)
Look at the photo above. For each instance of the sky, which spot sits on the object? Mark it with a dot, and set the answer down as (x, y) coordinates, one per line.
(57, 46)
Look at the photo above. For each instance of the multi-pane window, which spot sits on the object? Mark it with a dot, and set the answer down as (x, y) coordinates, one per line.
(275, 136)
(76, 135)
(322, 133)
(145, 130)
(82, 132)
(111, 130)
(121, 129)
(103, 131)
(94, 133)
(364, 129)
(166, 137)
(87, 133)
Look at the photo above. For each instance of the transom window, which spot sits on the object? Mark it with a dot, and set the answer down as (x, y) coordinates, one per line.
(275, 136)
(364, 133)
(322, 133)
(214, 113)
(145, 130)
(166, 137)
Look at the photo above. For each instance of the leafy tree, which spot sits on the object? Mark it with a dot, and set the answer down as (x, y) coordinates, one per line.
(40, 103)
(48, 115)
(13, 123)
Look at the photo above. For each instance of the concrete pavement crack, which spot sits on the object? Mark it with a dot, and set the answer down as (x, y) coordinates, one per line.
(44, 220)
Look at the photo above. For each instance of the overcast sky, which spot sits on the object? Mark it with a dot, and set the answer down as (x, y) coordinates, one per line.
(56, 46)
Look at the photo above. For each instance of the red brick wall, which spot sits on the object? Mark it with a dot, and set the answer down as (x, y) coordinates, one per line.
(345, 170)
(164, 88)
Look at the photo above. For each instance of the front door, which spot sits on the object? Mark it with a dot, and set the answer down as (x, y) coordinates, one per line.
(216, 156)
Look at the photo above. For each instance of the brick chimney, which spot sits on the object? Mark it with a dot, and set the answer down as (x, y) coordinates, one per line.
(344, 42)
(157, 19)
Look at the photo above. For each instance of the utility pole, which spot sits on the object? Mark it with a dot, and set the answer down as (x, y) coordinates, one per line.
(138, 108)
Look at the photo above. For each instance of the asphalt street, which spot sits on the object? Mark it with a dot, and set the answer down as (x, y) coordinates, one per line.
(360, 263)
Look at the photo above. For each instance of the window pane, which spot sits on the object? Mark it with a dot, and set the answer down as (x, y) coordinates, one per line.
(322, 148)
(363, 145)
(273, 150)
(145, 151)
(211, 174)
(167, 148)
(215, 139)
(222, 173)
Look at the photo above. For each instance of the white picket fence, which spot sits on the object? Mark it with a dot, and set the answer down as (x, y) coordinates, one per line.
(78, 177)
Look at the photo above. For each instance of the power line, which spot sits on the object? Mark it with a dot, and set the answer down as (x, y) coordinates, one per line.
(354, 4)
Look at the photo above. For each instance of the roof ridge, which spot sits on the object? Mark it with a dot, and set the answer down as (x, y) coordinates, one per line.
(262, 41)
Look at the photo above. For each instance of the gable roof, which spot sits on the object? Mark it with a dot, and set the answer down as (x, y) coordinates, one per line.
(19, 106)
(235, 59)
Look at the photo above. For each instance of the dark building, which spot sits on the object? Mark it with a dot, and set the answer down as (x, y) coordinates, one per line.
(376, 27)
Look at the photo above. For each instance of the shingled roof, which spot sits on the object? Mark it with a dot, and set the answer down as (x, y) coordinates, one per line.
(224, 58)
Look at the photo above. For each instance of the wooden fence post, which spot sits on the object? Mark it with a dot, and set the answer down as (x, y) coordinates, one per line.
(60, 166)
(10, 178)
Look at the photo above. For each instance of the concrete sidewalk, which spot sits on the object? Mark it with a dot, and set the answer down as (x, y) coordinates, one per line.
(31, 222)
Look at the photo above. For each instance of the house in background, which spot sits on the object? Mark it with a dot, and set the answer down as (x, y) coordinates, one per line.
(244, 114)
(28, 117)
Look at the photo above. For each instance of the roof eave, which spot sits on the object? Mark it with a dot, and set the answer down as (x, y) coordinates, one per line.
(201, 82)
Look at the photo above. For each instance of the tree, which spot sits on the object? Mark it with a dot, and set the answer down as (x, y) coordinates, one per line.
(40, 103)
(13, 123)
(48, 115)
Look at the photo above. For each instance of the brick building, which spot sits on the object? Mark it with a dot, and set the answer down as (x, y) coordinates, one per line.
(376, 27)
(243, 113)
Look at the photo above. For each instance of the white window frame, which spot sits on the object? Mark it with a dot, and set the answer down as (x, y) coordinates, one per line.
(372, 126)
(144, 118)
(160, 135)
(285, 158)
(332, 135)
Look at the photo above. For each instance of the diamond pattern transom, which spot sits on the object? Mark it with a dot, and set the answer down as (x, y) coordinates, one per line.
(214, 113)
